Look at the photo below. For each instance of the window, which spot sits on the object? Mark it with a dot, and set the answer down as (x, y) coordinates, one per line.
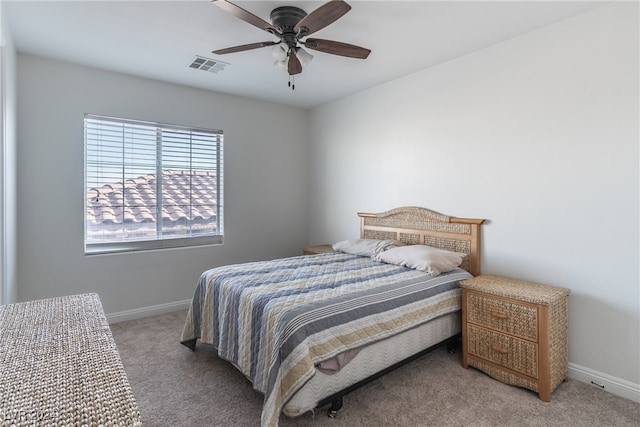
(150, 185)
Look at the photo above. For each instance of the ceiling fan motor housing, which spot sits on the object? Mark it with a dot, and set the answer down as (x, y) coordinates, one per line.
(284, 19)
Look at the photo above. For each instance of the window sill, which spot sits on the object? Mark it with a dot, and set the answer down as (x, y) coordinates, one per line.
(178, 242)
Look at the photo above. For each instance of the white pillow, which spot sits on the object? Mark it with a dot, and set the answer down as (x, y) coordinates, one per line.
(365, 247)
(421, 257)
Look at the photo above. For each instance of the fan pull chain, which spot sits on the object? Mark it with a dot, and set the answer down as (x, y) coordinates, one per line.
(292, 82)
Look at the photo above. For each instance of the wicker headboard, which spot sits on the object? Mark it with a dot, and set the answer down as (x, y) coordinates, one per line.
(414, 225)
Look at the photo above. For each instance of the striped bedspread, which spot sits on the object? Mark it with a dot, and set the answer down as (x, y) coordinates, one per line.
(274, 320)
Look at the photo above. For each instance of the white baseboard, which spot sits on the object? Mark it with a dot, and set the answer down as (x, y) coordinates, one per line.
(613, 385)
(154, 310)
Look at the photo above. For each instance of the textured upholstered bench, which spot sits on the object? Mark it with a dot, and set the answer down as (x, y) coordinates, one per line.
(59, 366)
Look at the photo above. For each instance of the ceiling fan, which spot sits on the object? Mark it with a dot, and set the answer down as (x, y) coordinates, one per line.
(291, 25)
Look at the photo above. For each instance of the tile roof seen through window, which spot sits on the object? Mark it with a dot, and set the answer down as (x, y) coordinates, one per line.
(124, 210)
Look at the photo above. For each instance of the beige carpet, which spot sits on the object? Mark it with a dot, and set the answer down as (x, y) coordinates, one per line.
(177, 387)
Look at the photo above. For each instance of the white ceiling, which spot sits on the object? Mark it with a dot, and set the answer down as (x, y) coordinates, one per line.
(158, 39)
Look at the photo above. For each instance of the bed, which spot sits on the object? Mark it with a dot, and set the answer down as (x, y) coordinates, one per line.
(308, 330)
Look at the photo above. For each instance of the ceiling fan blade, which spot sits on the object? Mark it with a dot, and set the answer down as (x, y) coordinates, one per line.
(321, 17)
(337, 48)
(294, 66)
(243, 47)
(246, 16)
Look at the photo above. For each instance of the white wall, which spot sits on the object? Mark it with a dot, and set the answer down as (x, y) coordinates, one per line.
(539, 135)
(8, 194)
(265, 183)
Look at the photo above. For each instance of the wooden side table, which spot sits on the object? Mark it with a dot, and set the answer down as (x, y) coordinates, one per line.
(516, 332)
(318, 249)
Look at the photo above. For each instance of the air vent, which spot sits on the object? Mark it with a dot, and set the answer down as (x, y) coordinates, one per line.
(207, 64)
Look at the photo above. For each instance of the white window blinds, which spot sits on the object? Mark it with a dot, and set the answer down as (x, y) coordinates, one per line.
(151, 185)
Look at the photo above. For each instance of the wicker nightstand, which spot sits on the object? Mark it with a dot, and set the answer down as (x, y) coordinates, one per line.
(318, 249)
(516, 332)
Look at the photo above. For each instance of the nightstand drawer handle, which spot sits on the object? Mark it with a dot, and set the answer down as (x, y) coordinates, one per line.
(500, 350)
(499, 315)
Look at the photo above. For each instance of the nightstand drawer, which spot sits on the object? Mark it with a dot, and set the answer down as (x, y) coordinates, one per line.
(503, 315)
(504, 350)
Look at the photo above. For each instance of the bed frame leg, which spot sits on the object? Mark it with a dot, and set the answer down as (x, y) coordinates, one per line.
(453, 345)
(336, 404)
(190, 344)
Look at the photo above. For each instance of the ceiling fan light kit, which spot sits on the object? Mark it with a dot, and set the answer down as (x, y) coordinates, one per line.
(280, 53)
(291, 25)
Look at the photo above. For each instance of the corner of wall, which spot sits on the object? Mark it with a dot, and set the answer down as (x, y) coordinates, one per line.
(8, 148)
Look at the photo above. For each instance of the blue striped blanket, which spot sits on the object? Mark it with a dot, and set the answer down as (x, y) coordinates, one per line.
(275, 320)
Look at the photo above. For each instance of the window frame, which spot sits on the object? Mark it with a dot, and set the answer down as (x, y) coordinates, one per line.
(159, 242)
